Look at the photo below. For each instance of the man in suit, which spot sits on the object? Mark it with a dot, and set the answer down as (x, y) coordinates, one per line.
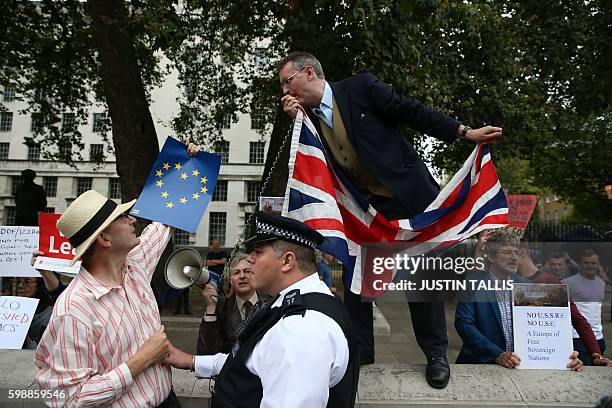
(221, 320)
(484, 321)
(358, 120)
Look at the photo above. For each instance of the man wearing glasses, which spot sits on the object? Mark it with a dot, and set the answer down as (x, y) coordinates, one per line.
(485, 323)
(358, 119)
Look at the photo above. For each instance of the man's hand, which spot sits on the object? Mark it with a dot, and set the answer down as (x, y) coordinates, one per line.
(179, 359)
(207, 293)
(575, 364)
(154, 350)
(192, 149)
(290, 105)
(484, 134)
(508, 359)
(51, 281)
(598, 359)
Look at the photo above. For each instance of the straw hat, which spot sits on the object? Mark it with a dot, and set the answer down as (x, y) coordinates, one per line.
(87, 217)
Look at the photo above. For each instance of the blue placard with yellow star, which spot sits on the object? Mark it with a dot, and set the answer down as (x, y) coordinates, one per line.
(179, 187)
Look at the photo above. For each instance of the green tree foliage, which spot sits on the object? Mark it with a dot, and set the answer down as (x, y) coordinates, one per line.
(539, 69)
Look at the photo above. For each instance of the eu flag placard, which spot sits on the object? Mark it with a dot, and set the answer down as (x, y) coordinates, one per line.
(179, 187)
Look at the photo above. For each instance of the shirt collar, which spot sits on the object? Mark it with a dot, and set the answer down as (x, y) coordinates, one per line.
(240, 302)
(97, 288)
(327, 100)
(309, 284)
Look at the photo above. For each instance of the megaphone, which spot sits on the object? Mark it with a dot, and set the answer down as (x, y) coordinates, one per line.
(185, 267)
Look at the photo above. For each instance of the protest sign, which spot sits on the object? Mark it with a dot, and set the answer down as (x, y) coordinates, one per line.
(16, 247)
(520, 210)
(58, 251)
(179, 187)
(542, 325)
(16, 315)
(271, 204)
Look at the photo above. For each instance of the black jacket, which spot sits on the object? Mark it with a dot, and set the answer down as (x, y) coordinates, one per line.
(371, 112)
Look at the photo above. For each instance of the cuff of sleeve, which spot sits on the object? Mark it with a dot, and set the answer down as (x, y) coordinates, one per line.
(121, 378)
(209, 366)
(210, 319)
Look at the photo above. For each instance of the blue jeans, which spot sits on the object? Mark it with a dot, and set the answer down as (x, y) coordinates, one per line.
(583, 353)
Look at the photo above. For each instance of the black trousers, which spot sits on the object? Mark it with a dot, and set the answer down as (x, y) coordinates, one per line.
(171, 401)
(428, 318)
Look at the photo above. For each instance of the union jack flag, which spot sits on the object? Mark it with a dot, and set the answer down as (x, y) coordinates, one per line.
(321, 197)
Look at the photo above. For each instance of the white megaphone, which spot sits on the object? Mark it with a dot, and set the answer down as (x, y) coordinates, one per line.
(185, 267)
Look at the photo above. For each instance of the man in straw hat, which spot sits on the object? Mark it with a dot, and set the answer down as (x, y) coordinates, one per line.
(297, 352)
(104, 344)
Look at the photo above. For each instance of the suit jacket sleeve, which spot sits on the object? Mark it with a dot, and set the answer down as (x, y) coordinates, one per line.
(209, 338)
(399, 108)
(465, 323)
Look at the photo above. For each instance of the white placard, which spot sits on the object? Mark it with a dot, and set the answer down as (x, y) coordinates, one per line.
(542, 325)
(271, 204)
(16, 315)
(58, 265)
(16, 247)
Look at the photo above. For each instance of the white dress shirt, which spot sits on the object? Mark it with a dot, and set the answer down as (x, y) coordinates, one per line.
(326, 109)
(298, 359)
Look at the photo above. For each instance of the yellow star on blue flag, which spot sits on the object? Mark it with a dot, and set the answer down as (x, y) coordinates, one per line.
(192, 179)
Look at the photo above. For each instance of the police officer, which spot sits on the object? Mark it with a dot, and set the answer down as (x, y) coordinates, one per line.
(299, 350)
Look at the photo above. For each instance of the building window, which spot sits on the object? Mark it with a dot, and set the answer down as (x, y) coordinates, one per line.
(114, 188)
(96, 152)
(9, 94)
(49, 210)
(556, 214)
(68, 122)
(222, 147)
(65, 151)
(256, 152)
(9, 215)
(227, 121)
(181, 237)
(252, 190)
(36, 124)
(6, 121)
(50, 186)
(220, 193)
(83, 184)
(4, 151)
(99, 122)
(257, 121)
(260, 58)
(16, 181)
(216, 227)
(33, 153)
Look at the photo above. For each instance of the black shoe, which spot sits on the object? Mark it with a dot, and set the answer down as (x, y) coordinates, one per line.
(437, 372)
(365, 360)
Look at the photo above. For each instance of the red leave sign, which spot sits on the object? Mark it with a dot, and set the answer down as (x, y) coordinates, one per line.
(51, 241)
(520, 210)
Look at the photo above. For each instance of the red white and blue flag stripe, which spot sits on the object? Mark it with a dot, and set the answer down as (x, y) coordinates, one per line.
(322, 197)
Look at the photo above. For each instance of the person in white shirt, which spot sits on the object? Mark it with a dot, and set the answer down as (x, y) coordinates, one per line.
(297, 352)
(587, 291)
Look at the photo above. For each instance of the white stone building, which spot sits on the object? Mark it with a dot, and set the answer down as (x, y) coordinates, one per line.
(233, 198)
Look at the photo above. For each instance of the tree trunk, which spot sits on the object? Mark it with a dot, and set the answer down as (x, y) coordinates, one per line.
(134, 137)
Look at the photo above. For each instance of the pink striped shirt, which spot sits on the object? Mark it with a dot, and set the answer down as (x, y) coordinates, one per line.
(95, 330)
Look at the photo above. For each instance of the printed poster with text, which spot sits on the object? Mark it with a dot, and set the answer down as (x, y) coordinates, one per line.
(542, 325)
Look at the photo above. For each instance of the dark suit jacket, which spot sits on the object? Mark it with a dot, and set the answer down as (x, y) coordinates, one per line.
(371, 112)
(218, 336)
(479, 325)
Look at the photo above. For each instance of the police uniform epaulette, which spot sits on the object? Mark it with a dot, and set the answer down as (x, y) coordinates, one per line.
(292, 304)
